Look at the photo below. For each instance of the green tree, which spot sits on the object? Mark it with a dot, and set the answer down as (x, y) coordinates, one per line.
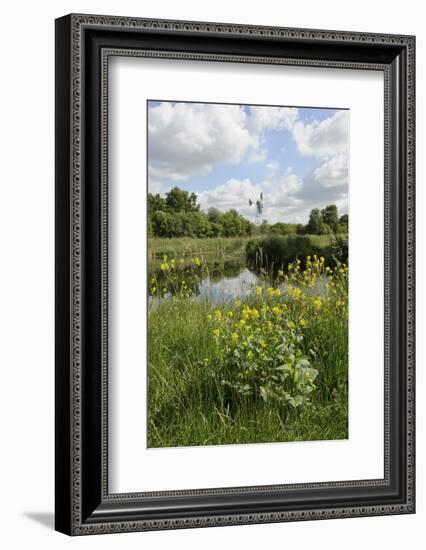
(330, 216)
(232, 224)
(214, 215)
(179, 200)
(215, 230)
(249, 227)
(162, 224)
(196, 224)
(343, 224)
(281, 228)
(314, 224)
(179, 215)
(264, 227)
(150, 227)
(344, 219)
(325, 229)
(155, 203)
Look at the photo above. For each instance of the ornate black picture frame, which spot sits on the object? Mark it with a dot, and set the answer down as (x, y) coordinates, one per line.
(84, 44)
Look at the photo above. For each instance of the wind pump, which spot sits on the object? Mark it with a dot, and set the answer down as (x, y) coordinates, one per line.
(258, 206)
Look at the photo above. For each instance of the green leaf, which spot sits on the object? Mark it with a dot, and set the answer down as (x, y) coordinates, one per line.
(263, 394)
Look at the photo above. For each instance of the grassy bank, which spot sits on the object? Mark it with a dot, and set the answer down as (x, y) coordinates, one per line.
(272, 368)
(221, 247)
(279, 250)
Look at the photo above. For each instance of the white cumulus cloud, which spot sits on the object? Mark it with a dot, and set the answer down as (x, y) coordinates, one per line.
(189, 139)
(234, 193)
(157, 187)
(323, 139)
(271, 118)
(279, 197)
(333, 171)
(328, 141)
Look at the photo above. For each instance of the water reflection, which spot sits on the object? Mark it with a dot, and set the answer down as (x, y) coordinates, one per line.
(225, 289)
(218, 282)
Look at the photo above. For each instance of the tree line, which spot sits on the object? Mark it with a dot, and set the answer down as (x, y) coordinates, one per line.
(178, 214)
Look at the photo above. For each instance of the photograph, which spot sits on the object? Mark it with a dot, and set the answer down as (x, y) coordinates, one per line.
(234, 273)
(248, 268)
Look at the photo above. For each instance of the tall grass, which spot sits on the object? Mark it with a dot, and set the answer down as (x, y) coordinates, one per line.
(280, 250)
(221, 247)
(187, 401)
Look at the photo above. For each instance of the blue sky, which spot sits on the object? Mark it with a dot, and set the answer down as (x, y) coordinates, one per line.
(297, 157)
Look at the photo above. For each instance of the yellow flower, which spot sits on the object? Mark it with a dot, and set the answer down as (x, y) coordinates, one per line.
(270, 291)
(277, 311)
(234, 337)
(164, 267)
(297, 293)
(181, 261)
(153, 290)
(291, 325)
(281, 273)
(197, 261)
(264, 309)
(241, 322)
(238, 303)
(216, 332)
(254, 313)
(209, 317)
(317, 303)
(258, 290)
(249, 354)
(164, 258)
(303, 323)
(230, 314)
(218, 315)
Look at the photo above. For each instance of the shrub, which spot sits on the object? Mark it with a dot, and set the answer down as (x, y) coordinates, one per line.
(340, 248)
(277, 251)
(260, 355)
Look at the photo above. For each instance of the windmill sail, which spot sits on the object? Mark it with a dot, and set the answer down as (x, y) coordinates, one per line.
(258, 207)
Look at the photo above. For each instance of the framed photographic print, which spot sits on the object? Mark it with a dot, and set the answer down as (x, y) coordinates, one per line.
(234, 274)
